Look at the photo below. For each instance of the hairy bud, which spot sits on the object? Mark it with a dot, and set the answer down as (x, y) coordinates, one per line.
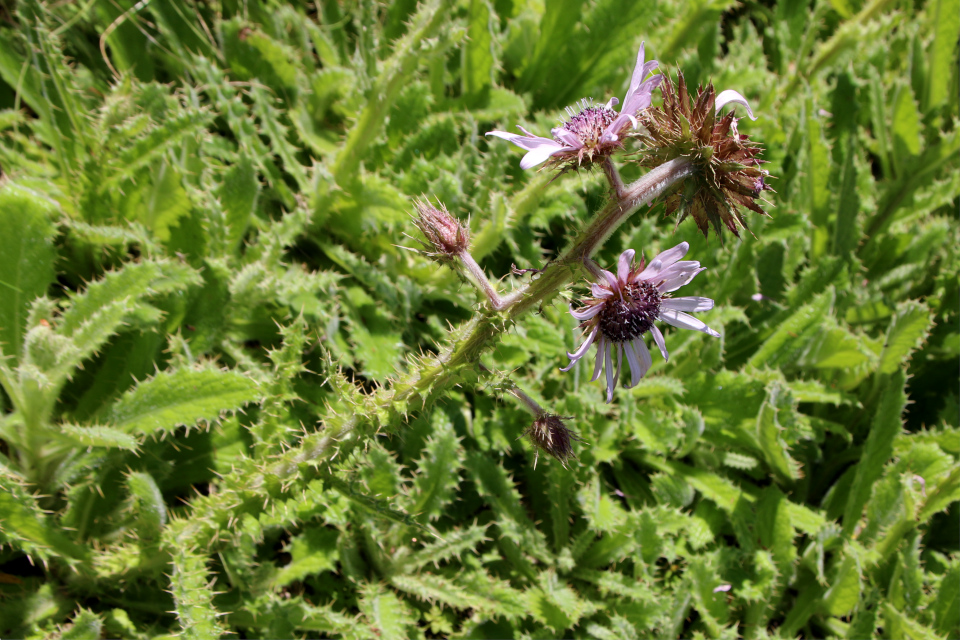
(549, 433)
(446, 236)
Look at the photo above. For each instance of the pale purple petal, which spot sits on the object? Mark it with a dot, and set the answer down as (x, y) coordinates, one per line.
(670, 256)
(616, 376)
(684, 321)
(600, 292)
(690, 304)
(581, 351)
(586, 312)
(636, 372)
(722, 588)
(652, 272)
(609, 370)
(569, 138)
(679, 275)
(661, 343)
(611, 279)
(643, 355)
(624, 264)
(538, 156)
(726, 97)
(598, 367)
(528, 141)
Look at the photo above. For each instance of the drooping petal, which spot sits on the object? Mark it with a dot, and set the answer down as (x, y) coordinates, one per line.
(661, 343)
(726, 97)
(624, 264)
(636, 371)
(598, 367)
(587, 312)
(684, 321)
(643, 355)
(581, 350)
(691, 304)
(608, 365)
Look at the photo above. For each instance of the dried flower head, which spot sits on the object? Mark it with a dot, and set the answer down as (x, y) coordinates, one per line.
(446, 236)
(549, 433)
(593, 131)
(625, 306)
(729, 174)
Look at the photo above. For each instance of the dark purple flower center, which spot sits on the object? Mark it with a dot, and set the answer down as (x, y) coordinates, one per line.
(589, 124)
(630, 312)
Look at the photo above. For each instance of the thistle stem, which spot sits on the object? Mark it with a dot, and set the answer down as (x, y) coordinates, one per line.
(385, 409)
(479, 279)
(613, 176)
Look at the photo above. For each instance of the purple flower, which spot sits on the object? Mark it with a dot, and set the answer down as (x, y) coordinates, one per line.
(625, 306)
(593, 132)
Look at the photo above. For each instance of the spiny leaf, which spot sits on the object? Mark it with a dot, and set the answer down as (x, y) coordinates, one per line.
(180, 397)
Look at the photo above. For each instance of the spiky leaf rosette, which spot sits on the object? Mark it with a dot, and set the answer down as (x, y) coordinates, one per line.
(729, 173)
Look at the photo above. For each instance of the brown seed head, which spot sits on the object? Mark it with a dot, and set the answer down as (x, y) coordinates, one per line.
(549, 433)
(729, 174)
(446, 236)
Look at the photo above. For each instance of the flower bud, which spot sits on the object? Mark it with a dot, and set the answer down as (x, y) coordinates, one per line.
(550, 434)
(446, 236)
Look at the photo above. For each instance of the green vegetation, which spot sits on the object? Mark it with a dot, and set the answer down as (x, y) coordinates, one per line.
(229, 406)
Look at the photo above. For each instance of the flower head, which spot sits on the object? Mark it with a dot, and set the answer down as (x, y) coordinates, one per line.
(624, 307)
(549, 433)
(592, 132)
(729, 174)
(446, 236)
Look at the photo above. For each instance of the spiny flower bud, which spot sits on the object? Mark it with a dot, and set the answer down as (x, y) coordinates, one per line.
(728, 172)
(447, 237)
(550, 434)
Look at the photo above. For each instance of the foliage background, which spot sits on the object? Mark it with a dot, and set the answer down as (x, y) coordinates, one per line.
(200, 213)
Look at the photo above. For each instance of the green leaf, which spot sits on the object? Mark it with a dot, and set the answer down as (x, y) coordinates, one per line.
(98, 436)
(25, 526)
(181, 397)
(147, 505)
(846, 232)
(769, 428)
(793, 333)
(478, 58)
(906, 128)
(946, 614)
(26, 259)
(944, 17)
(389, 616)
(438, 470)
(844, 592)
(189, 585)
(311, 553)
(238, 193)
(909, 327)
(877, 450)
(86, 625)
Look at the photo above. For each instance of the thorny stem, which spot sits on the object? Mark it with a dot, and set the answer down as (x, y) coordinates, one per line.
(479, 278)
(299, 465)
(613, 176)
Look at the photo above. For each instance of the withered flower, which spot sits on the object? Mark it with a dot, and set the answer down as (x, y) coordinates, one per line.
(549, 433)
(728, 172)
